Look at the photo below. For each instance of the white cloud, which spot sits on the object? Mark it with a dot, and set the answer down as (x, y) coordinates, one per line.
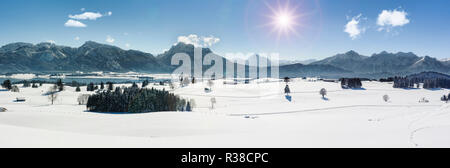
(51, 41)
(391, 18)
(109, 13)
(127, 45)
(209, 41)
(353, 28)
(198, 41)
(74, 23)
(86, 15)
(77, 38)
(109, 39)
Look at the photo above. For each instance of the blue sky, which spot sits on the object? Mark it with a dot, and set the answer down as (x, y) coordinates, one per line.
(417, 26)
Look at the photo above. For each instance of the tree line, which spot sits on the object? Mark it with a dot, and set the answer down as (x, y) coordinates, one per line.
(347, 83)
(136, 100)
(405, 82)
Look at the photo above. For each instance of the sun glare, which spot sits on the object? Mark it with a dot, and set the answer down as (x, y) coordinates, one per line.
(284, 20)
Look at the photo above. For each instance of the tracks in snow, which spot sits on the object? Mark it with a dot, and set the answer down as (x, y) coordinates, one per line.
(330, 108)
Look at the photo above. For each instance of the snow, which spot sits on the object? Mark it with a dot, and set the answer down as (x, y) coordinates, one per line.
(23, 76)
(245, 115)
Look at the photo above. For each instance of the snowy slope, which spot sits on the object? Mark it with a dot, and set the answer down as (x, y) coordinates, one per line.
(348, 118)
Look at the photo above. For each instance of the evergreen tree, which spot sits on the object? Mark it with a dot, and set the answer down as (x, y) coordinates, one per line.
(78, 89)
(7, 84)
(110, 86)
(286, 80)
(287, 90)
(134, 85)
(26, 83)
(74, 84)
(60, 85)
(102, 85)
(188, 106)
(90, 87)
(145, 83)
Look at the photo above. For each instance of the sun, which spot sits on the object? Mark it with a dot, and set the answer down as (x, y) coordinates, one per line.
(284, 20)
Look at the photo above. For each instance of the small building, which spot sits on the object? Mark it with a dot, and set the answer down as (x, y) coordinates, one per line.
(20, 99)
(143, 78)
(331, 80)
(311, 79)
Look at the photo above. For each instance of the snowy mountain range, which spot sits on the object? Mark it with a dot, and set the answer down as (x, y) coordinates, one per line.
(385, 62)
(92, 56)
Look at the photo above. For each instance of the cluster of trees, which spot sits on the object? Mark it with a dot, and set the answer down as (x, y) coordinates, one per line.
(389, 79)
(34, 85)
(351, 83)
(26, 84)
(136, 100)
(405, 82)
(445, 98)
(436, 83)
(93, 87)
(7, 84)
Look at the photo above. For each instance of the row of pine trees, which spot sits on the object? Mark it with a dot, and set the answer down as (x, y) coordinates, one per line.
(351, 83)
(136, 100)
(404, 82)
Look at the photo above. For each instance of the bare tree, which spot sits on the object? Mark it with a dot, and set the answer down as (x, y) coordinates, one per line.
(386, 98)
(53, 93)
(323, 92)
(213, 101)
(82, 99)
(15, 89)
(185, 82)
(171, 85)
(210, 84)
(193, 104)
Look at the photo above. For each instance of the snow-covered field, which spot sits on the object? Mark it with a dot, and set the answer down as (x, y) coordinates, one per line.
(245, 115)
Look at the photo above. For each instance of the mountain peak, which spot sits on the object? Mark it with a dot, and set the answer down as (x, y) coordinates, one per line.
(351, 52)
(93, 44)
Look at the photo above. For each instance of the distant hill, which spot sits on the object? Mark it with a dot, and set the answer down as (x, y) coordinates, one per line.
(92, 56)
(300, 70)
(385, 62)
(428, 75)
